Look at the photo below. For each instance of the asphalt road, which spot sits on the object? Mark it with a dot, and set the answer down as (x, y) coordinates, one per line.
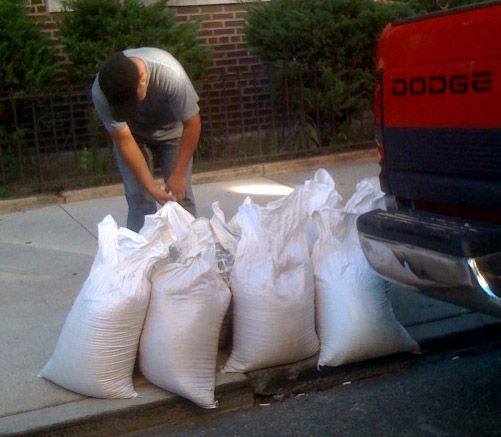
(454, 394)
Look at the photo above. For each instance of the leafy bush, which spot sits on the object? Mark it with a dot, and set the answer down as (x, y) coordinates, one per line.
(28, 61)
(95, 29)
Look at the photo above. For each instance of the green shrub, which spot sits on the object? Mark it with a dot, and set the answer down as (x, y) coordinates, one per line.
(326, 49)
(28, 62)
(95, 29)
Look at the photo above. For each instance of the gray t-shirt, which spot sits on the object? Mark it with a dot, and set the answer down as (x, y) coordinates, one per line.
(170, 99)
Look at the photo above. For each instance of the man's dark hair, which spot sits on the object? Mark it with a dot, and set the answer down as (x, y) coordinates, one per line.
(118, 80)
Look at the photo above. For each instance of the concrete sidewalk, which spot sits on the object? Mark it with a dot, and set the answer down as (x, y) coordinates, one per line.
(46, 253)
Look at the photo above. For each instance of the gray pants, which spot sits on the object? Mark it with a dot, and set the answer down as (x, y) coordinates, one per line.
(140, 203)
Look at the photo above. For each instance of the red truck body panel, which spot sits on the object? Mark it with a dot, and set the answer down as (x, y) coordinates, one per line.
(438, 111)
(444, 71)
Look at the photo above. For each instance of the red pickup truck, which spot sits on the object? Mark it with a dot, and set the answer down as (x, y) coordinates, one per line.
(438, 115)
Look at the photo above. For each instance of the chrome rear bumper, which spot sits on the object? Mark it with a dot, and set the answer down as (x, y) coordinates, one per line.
(470, 282)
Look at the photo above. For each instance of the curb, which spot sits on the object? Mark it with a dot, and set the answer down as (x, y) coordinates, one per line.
(157, 407)
(257, 388)
(256, 170)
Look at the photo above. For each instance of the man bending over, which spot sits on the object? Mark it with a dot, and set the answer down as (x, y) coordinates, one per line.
(149, 106)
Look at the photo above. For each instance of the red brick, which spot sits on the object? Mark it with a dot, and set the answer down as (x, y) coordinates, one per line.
(212, 25)
(226, 62)
(238, 69)
(238, 53)
(218, 57)
(248, 60)
(235, 23)
(230, 88)
(214, 70)
(223, 16)
(224, 31)
(225, 47)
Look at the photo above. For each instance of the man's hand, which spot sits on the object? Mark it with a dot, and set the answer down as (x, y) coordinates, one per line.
(176, 187)
(134, 158)
(160, 195)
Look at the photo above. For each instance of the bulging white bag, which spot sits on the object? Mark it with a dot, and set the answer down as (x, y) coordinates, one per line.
(272, 280)
(170, 224)
(97, 347)
(355, 320)
(179, 344)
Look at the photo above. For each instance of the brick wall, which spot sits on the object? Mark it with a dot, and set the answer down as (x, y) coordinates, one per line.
(233, 92)
(222, 27)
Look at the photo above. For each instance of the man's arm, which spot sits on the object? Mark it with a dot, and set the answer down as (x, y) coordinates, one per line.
(189, 141)
(134, 158)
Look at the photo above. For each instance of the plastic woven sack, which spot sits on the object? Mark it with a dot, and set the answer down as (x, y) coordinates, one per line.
(272, 280)
(170, 224)
(179, 344)
(355, 320)
(97, 347)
